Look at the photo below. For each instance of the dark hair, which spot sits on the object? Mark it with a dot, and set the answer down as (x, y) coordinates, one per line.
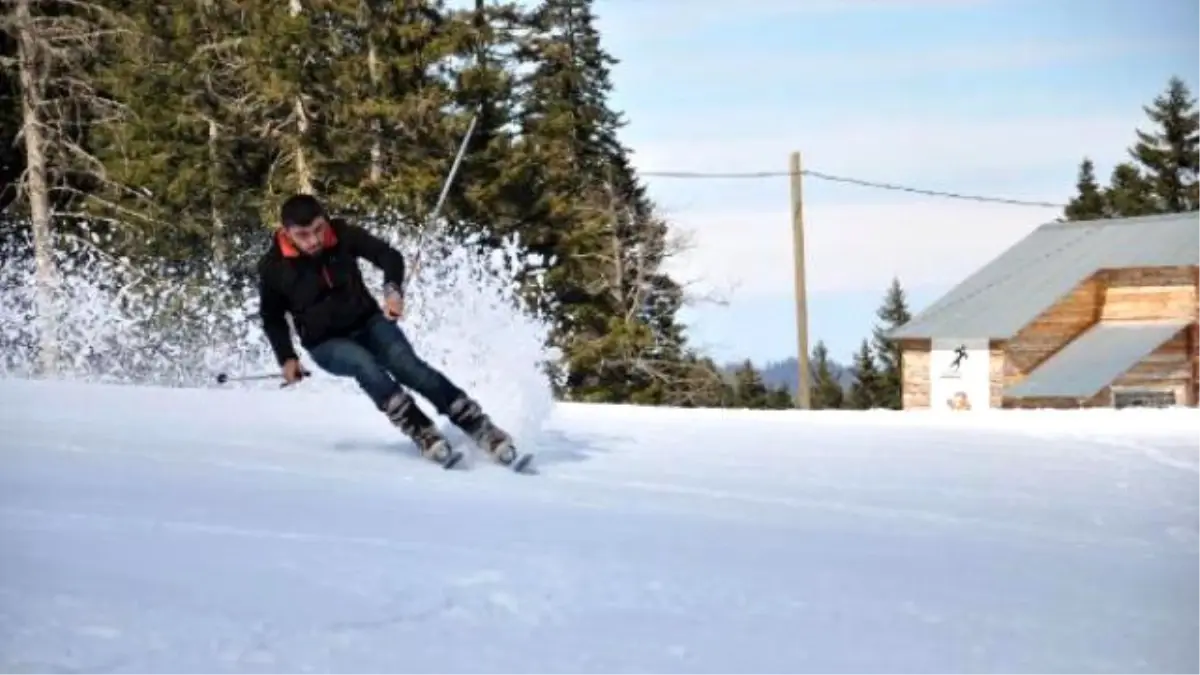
(300, 211)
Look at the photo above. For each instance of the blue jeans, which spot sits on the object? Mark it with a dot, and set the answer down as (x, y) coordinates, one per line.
(381, 359)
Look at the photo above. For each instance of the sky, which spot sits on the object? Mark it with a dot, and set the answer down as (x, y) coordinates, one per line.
(1000, 98)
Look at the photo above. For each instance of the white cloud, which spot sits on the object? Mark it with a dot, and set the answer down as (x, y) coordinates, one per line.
(850, 247)
(741, 230)
(886, 148)
(660, 18)
(810, 68)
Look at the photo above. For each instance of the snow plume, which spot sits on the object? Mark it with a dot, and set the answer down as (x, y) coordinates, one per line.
(137, 325)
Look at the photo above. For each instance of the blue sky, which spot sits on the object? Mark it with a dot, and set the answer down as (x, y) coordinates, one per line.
(987, 97)
(997, 98)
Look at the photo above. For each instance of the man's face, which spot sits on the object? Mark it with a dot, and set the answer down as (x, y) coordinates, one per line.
(309, 238)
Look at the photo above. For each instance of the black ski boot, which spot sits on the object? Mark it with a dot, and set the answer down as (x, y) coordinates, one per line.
(468, 416)
(403, 412)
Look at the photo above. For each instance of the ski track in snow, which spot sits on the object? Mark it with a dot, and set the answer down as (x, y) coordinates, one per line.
(246, 531)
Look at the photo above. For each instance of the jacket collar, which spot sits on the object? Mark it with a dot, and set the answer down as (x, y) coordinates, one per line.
(289, 250)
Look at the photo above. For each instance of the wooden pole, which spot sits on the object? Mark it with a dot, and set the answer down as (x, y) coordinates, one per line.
(803, 389)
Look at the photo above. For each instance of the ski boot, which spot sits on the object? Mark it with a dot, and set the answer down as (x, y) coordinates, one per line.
(468, 416)
(403, 412)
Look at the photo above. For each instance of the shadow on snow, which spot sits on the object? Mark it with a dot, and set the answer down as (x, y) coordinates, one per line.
(552, 447)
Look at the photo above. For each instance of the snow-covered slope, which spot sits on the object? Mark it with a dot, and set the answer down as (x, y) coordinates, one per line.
(192, 530)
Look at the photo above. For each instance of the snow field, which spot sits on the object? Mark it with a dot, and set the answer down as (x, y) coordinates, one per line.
(265, 531)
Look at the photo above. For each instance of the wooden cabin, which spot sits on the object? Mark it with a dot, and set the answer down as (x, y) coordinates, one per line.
(1078, 314)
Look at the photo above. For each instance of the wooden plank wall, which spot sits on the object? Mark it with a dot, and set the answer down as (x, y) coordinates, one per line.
(1033, 403)
(1194, 354)
(1194, 343)
(914, 374)
(996, 369)
(1052, 330)
(1100, 400)
(1112, 295)
(1193, 347)
(1149, 293)
(1168, 367)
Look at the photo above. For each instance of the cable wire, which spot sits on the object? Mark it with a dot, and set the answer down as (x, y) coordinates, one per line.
(851, 181)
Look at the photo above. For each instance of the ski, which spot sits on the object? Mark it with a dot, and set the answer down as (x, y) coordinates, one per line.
(442, 453)
(508, 456)
(522, 464)
(452, 459)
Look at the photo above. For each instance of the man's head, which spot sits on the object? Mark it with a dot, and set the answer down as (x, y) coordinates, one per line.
(304, 223)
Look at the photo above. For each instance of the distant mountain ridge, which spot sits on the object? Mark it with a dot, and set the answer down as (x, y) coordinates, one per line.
(785, 373)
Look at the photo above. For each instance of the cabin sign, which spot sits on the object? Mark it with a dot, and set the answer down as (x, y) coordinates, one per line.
(959, 375)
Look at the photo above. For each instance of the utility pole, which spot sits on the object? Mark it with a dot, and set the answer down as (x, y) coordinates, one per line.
(803, 388)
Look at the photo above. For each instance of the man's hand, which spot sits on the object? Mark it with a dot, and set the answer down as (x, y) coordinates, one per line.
(292, 373)
(393, 307)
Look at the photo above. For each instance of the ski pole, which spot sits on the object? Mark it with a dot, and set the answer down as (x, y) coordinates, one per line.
(223, 378)
(437, 208)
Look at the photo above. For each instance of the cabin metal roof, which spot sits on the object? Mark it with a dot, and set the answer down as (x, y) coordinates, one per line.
(1013, 289)
(1093, 360)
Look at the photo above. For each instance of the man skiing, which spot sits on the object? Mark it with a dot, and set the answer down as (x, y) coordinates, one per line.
(311, 271)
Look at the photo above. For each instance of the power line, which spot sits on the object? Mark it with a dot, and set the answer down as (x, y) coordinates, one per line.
(851, 181)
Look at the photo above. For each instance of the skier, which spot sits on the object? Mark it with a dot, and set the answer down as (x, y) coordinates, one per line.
(311, 271)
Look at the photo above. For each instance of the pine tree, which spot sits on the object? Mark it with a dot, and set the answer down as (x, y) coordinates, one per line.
(189, 144)
(779, 398)
(827, 392)
(1169, 156)
(590, 218)
(394, 117)
(12, 161)
(1088, 203)
(561, 106)
(701, 384)
(892, 313)
(751, 391)
(864, 392)
(55, 49)
(227, 107)
(235, 109)
(1129, 193)
(600, 370)
(493, 199)
(292, 52)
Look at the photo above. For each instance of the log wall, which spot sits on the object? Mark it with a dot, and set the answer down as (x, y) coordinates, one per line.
(997, 360)
(1194, 354)
(914, 374)
(1100, 400)
(1170, 367)
(1148, 293)
(1139, 294)
(1052, 330)
(1194, 341)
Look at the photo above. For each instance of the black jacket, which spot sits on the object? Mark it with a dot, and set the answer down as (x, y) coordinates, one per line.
(325, 293)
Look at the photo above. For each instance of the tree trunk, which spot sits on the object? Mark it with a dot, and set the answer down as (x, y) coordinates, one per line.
(37, 188)
(220, 244)
(303, 170)
(376, 129)
(618, 249)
